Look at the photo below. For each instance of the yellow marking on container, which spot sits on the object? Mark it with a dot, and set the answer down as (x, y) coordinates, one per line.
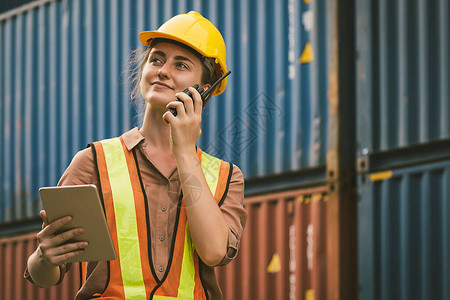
(307, 1)
(275, 264)
(380, 176)
(309, 295)
(307, 199)
(300, 198)
(307, 54)
(316, 197)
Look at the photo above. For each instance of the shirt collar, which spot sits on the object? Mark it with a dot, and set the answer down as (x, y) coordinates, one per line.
(132, 138)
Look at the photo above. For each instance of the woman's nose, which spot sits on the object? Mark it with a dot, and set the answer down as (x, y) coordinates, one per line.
(163, 72)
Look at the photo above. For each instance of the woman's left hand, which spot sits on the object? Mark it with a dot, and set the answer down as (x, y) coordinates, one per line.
(185, 127)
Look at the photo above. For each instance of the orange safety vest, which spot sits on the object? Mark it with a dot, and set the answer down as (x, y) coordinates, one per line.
(132, 275)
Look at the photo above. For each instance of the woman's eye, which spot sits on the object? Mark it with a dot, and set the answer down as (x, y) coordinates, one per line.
(182, 65)
(155, 61)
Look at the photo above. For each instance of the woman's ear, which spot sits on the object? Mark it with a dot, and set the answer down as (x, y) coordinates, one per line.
(205, 88)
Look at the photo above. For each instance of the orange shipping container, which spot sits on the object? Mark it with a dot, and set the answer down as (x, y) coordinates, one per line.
(282, 254)
(14, 252)
(283, 249)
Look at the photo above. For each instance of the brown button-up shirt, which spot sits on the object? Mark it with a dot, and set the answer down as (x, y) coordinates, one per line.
(162, 194)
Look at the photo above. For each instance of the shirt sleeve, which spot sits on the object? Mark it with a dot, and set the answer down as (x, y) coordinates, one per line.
(234, 213)
(81, 170)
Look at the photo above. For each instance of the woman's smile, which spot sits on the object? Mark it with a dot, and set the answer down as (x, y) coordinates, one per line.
(161, 85)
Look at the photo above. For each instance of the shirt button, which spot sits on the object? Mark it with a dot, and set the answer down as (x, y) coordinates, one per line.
(161, 238)
(161, 269)
(163, 208)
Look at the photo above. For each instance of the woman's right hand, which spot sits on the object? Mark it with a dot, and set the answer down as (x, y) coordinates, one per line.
(53, 248)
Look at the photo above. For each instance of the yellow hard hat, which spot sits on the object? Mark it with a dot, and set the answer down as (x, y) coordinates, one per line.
(197, 32)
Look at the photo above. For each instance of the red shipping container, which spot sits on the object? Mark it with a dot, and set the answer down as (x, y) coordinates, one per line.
(282, 254)
(283, 249)
(14, 253)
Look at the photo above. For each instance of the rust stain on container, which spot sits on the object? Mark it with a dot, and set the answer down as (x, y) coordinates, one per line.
(14, 253)
(289, 226)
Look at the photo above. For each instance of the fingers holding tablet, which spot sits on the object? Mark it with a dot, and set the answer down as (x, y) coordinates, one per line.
(55, 246)
(73, 216)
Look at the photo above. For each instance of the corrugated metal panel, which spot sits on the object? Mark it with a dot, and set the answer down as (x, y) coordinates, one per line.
(61, 66)
(403, 108)
(403, 72)
(14, 253)
(404, 233)
(283, 249)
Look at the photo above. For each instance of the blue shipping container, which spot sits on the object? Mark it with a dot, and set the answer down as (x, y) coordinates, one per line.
(62, 85)
(404, 234)
(403, 138)
(403, 73)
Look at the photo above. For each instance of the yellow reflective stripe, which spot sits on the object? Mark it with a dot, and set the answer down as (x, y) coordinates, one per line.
(187, 280)
(126, 224)
(211, 168)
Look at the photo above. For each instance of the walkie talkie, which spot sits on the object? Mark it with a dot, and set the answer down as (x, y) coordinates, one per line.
(200, 90)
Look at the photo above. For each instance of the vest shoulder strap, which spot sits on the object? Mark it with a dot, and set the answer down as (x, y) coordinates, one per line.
(217, 173)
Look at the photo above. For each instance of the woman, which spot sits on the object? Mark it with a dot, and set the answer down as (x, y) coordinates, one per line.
(185, 207)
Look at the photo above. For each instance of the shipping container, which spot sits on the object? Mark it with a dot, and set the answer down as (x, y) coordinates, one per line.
(404, 233)
(283, 254)
(287, 119)
(403, 148)
(64, 83)
(403, 73)
(11, 4)
(283, 251)
(14, 253)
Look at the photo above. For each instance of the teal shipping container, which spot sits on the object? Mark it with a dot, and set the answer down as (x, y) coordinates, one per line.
(403, 148)
(64, 83)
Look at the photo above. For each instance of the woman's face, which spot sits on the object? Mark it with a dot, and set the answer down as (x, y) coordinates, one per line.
(169, 69)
